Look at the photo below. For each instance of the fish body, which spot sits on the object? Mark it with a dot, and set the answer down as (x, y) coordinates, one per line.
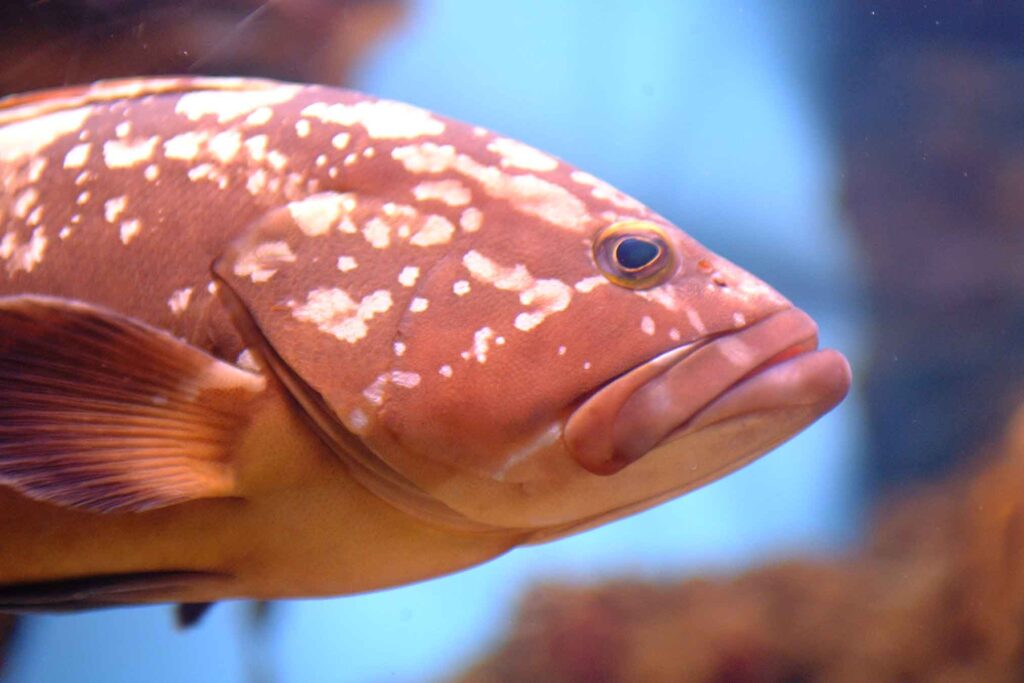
(264, 339)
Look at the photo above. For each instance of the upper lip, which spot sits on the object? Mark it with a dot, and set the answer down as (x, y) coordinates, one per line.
(634, 413)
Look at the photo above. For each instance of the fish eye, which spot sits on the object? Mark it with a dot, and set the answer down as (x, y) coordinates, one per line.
(634, 254)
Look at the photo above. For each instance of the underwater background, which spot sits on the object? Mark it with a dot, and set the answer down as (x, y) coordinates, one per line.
(738, 122)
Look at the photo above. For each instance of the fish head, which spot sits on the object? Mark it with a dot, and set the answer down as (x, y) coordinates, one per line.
(590, 374)
(515, 339)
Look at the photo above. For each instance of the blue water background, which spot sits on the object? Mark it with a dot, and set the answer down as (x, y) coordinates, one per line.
(705, 110)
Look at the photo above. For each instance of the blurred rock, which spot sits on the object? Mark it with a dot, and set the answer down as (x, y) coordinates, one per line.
(935, 596)
(46, 43)
(928, 104)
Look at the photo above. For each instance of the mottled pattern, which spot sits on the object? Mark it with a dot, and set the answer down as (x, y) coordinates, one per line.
(433, 282)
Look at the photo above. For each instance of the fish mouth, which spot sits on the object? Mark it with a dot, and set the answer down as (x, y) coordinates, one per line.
(771, 365)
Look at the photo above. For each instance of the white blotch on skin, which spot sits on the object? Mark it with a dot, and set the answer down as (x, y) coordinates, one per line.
(179, 300)
(257, 182)
(527, 194)
(399, 348)
(378, 233)
(528, 321)
(545, 296)
(674, 335)
(406, 380)
(36, 168)
(64, 233)
(435, 230)
(261, 263)
(450, 192)
(247, 361)
(445, 371)
(28, 256)
(122, 129)
(347, 263)
(357, 421)
(665, 296)
(33, 254)
(418, 305)
(260, 116)
(277, 160)
(738, 319)
(375, 392)
(695, 321)
(30, 137)
(224, 146)
(471, 219)
(460, 288)
(7, 245)
(482, 343)
(408, 276)
(78, 155)
(228, 105)
(302, 128)
(129, 230)
(382, 119)
(199, 172)
(350, 159)
(587, 365)
(35, 217)
(185, 146)
(120, 154)
(605, 192)
(562, 350)
(589, 284)
(152, 172)
(341, 140)
(369, 152)
(427, 157)
(515, 154)
(113, 208)
(317, 214)
(256, 146)
(25, 201)
(336, 313)
(83, 198)
(647, 325)
(321, 160)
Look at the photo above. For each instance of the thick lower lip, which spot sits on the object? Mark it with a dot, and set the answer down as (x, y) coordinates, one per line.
(770, 365)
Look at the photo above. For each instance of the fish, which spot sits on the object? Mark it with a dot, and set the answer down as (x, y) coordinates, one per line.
(272, 340)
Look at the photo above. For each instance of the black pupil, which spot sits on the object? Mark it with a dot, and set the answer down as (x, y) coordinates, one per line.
(633, 253)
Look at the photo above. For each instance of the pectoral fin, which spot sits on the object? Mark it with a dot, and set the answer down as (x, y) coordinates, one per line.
(103, 413)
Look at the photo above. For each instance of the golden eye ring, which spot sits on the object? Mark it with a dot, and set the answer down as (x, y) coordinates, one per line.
(634, 254)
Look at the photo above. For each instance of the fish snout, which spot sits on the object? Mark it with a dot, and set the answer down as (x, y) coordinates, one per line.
(773, 365)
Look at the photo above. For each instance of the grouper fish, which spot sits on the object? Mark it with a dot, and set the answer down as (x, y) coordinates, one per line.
(269, 340)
